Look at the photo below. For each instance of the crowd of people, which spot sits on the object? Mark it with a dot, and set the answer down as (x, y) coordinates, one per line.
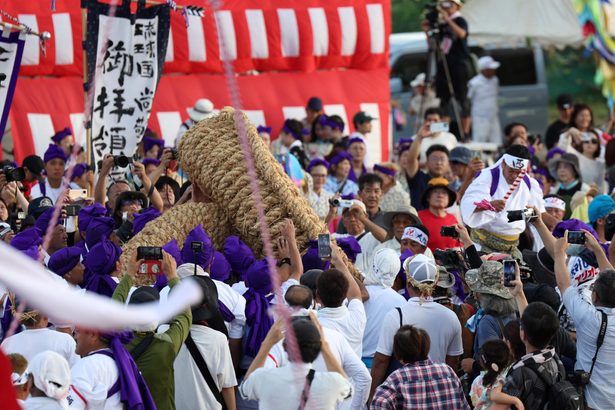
(478, 286)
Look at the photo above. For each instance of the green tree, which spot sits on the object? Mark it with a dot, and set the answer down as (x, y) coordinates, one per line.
(406, 15)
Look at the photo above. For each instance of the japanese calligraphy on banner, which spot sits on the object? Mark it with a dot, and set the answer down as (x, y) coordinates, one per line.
(11, 50)
(125, 56)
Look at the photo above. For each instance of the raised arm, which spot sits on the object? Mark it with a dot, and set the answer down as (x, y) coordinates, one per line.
(100, 189)
(562, 275)
(148, 188)
(593, 245)
(412, 166)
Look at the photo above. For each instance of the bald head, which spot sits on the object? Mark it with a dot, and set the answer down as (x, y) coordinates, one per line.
(299, 296)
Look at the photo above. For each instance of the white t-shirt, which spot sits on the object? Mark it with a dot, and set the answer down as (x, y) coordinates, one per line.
(42, 403)
(355, 369)
(442, 138)
(30, 342)
(381, 301)
(483, 93)
(440, 323)
(91, 379)
(348, 320)
(281, 387)
(600, 393)
(51, 193)
(191, 389)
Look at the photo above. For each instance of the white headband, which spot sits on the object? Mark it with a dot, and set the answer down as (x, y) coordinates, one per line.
(554, 202)
(515, 162)
(19, 379)
(415, 234)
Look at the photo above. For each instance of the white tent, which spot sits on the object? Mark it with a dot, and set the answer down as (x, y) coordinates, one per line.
(550, 23)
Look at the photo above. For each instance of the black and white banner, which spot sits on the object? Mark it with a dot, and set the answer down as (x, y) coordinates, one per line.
(125, 55)
(11, 51)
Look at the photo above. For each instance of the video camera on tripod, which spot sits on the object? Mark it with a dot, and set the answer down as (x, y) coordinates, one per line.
(431, 15)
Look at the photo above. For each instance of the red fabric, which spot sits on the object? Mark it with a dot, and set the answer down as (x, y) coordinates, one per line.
(7, 391)
(275, 61)
(433, 224)
(267, 92)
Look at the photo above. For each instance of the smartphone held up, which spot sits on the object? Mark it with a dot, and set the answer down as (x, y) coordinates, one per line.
(152, 260)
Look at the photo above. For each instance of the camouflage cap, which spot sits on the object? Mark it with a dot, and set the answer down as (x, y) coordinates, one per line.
(489, 278)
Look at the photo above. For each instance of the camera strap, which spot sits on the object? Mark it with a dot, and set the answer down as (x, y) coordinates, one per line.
(603, 324)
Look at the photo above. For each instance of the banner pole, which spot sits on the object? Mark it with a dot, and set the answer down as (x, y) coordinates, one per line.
(86, 120)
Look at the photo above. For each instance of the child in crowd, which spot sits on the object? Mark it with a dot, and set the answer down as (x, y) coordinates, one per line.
(487, 387)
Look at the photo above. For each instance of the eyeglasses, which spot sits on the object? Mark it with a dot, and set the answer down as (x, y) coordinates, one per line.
(593, 141)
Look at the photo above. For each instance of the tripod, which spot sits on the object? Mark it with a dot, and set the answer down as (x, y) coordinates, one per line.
(435, 54)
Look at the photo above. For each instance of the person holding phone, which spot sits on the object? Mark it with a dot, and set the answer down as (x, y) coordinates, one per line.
(434, 131)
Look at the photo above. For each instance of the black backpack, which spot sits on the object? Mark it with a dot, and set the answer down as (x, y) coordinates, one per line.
(561, 395)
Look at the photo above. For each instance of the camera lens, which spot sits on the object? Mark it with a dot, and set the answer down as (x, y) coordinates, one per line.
(122, 161)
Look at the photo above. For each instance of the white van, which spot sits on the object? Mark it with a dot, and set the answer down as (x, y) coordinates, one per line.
(523, 87)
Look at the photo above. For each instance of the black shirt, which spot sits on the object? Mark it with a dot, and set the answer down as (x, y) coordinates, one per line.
(553, 132)
(417, 186)
(458, 51)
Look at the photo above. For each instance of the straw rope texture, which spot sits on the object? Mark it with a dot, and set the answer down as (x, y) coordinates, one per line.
(211, 156)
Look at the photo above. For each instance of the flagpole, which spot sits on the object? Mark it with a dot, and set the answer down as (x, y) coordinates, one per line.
(45, 35)
(86, 121)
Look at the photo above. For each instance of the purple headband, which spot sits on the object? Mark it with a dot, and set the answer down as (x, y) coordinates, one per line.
(86, 215)
(172, 248)
(102, 258)
(62, 261)
(28, 241)
(553, 151)
(350, 246)
(42, 223)
(264, 128)
(142, 218)
(323, 120)
(53, 152)
(316, 162)
(238, 254)
(290, 131)
(339, 157)
(149, 142)
(573, 225)
(205, 257)
(79, 170)
(355, 139)
(60, 135)
(220, 268)
(99, 229)
(385, 170)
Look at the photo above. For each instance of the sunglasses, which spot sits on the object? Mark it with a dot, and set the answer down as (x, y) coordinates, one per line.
(592, 141)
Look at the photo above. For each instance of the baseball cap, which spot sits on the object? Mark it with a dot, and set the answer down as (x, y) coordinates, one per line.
(421, 269)
(488, 63)
(564, 101)
(462, 155)
(39, 205)
(362, 117)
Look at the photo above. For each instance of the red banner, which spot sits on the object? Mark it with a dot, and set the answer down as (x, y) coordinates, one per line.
(267, 35)
(42, 105)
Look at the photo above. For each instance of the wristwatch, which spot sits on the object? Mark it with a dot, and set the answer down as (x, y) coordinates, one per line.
(283, 262)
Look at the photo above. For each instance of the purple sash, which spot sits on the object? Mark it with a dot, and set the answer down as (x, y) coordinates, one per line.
(226, 312)
(495, 180)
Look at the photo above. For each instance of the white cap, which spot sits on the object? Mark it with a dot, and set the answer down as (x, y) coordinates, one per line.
(51, 374)
(418, 80)
(203, 108)
(416, 235)
(187, 269)
(421, 268)
(555, 202)
(487, 62)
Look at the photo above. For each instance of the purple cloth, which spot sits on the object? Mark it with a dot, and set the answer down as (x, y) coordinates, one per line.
(350, 246)
(103, 285)
(99, 228)
(384, 170)
(102, 258)
(316, 162)
(458, 287)
(203, 258)
(290, 131)
(573, 225)
(402, 273)
(53, 152)
(220, 268)
(355, 140)
(79, 170)
(226, 312)
(554, 151)
(42, 223)
(150, 161)
(172, 248)
(348, 197)
(60, 135)
(258, 281)
(86, 215)
(143, 217)
(311, 260)
(238, 254)
(339, 157)
(150, 142)
(28, 241)
(62, 261)
(134, 393)
(161, 282)
(353, 177)
(264, 128)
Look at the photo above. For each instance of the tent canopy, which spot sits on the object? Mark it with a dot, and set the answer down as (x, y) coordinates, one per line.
(549, 23)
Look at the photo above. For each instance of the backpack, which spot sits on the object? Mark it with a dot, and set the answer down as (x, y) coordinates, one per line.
(561, 395)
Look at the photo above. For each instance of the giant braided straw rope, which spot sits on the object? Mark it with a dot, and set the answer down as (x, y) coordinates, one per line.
(211, 156)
